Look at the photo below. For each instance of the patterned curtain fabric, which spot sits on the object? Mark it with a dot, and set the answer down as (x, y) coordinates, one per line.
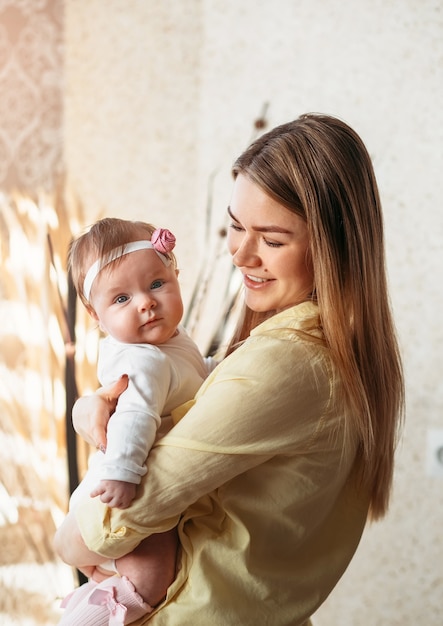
(31, 106)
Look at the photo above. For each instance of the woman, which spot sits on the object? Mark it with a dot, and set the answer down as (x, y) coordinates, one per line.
(288, 448)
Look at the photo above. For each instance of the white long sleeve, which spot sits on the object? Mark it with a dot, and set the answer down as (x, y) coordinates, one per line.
(160, 379)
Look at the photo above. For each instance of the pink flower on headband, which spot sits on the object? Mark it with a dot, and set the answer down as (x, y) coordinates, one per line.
(163, 240)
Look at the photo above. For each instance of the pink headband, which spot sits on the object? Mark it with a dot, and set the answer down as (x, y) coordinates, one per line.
(162, 242)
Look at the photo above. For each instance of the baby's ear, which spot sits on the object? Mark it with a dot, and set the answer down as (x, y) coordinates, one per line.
(177, 271)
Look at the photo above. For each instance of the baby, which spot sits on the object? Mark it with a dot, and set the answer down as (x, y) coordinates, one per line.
(127, 278)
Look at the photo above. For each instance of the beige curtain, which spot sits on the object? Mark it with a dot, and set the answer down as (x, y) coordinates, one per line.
(33, 330)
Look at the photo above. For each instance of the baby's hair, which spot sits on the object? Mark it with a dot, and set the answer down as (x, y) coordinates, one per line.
(97, 242)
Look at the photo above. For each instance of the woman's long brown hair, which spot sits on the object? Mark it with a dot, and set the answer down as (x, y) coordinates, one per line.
(319, 168)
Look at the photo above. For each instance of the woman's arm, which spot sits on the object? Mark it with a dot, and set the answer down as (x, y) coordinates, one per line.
(261, 402)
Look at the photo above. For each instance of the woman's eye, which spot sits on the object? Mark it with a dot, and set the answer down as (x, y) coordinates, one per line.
(235, 227)
(121, 299)
(157, 284)
(273, 244)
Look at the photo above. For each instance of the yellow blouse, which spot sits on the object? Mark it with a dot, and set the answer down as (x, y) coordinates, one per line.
(261, 478)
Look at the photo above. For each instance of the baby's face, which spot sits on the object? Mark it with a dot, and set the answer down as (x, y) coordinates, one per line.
(137, 299)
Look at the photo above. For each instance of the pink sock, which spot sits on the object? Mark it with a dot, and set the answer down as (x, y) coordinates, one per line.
(75, 597)
(113, 602)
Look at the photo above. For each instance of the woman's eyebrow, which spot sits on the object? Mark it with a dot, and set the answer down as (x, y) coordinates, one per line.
(270, 228)
(230, 213)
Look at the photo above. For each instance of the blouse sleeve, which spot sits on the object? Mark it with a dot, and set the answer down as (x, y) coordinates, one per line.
(265, 399)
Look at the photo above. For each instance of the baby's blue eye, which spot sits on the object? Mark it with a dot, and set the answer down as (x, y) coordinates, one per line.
(121, 299)
(156, 284)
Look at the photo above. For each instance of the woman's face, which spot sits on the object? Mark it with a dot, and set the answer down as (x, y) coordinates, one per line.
(270, 246)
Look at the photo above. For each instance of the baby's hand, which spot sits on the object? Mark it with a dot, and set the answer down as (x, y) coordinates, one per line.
(115, 493)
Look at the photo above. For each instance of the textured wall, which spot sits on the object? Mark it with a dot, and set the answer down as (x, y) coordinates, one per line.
(132, 109)
(159, 99)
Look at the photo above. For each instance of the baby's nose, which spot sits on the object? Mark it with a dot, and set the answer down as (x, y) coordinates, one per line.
(146, 302)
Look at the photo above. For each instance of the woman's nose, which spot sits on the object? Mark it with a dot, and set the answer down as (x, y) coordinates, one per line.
(246, 255)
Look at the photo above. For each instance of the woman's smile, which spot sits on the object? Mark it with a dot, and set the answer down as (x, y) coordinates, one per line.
(255, 282)
(256, 279)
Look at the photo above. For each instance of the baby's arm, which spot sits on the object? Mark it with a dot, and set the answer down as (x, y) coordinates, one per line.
(132, 429)
(115, 493)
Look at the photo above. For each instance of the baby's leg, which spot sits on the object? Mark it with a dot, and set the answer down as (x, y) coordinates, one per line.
(141, 582)
(151, 567)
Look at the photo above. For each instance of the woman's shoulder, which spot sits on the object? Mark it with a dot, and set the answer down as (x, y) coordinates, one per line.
(287, 351)
(289, 346)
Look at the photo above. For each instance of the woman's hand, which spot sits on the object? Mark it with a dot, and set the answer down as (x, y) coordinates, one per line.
(90, 415)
